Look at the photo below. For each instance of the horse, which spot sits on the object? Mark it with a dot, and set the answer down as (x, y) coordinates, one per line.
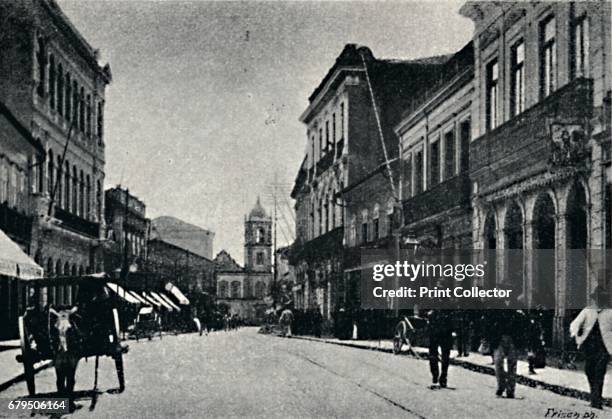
(65, 339)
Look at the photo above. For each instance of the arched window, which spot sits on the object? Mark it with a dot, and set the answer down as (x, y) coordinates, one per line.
(49, 267)
(82, 110)
(248, 288)
(235, 289)
(75, 190)
(58, 268)
(50, 172)
(41, 58)
(67, 187)
(88, 197)
(67, 98)
(52, 81)
(260, 290)
(98, 200)
(376, 222)
(58, 180)
(60, 89)
(260, 235)
(81, 194)
(88, 116)
(222, 289)
(66, 270)
(75, 103)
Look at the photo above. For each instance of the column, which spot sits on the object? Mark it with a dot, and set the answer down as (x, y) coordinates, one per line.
(560, 278)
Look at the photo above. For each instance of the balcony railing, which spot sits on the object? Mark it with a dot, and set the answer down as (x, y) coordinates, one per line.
(14, 223)
(77, 224)
(522, 145)
(454, 192)
(321, 247)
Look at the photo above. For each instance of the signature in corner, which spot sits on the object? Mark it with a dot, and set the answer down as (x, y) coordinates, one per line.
(554, 413)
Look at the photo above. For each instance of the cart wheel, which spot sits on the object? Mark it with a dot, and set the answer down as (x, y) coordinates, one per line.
(120, 373)
(27, 358)
(399, 338)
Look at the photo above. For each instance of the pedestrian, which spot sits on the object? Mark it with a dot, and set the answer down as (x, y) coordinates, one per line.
(440, 344)
(506, 327)
(285, 320)
(592, 330)
(536, 357)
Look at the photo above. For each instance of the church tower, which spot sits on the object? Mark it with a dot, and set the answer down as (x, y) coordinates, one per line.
(258, 240)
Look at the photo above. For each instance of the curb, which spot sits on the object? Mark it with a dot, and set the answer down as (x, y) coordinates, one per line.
(520, 379)
(21, 377)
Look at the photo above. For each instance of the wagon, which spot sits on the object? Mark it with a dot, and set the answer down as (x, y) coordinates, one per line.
(97, 320)
(409, 331)
(147, 324)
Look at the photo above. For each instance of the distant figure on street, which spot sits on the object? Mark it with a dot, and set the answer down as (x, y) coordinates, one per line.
(285, 321)
(440, 337)
(317, 322)
(592, 330)
(506, 328)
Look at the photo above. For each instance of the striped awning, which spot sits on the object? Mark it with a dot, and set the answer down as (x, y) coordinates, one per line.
(122, 293)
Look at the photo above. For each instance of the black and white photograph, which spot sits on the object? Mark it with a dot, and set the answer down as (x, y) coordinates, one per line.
(305, 209)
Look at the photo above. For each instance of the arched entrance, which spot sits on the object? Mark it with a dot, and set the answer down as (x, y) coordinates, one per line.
(577, 236)
(513, 231)
(490, 243)
(544, 263)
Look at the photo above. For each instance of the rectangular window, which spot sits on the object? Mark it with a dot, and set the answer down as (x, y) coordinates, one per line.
(407, 177)
(320, 143)
(548, 57)
(260, 258)
(364, 232)
(580, 47)
(389, 224)
(449, 155)
(517, 70)
(418, 172)
(375, 229)
(434, 163)
(342, 121)
(465, 132)
(327, 142)
(492, 94)
(100, 122)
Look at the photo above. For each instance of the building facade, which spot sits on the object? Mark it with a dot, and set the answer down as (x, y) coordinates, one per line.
(127, 230)
(540, 158)
(53, 83)
(19, 153)
(347, 183)
(434, 141)
(245, 289)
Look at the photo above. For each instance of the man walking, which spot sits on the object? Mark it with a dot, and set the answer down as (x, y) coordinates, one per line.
(440, 338)
(592, 330)
(506, 329)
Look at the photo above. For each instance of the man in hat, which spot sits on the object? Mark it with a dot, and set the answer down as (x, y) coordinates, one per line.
(505, 333)
(592, 330)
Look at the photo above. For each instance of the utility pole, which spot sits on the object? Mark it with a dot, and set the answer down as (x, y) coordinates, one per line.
(275, 278)
(124, 265)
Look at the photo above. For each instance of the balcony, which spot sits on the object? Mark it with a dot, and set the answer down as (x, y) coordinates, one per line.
(454, 192)
(326, 161)
(522, 147)
(15, 224)
(77, 224)
(319, 248)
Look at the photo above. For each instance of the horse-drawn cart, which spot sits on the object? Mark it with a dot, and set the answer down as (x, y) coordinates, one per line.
(65, 333)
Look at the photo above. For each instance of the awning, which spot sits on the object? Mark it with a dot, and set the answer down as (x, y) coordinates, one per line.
(146, 310)
(177, 294)
(168, 300)
(138, 297)
(151, 300)
(122, 293)
(161, 301)
(15, 262)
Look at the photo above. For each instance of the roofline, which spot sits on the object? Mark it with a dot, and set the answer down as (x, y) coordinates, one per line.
(158, 239)
(452, 86)
(21, 128)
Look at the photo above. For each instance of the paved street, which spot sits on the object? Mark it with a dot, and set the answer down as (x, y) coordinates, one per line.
(242, 373)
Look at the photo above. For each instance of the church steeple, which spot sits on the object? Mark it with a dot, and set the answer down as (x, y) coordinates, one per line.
(258, 240)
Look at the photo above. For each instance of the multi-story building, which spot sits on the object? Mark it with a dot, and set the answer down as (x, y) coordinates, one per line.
(244, 289)
(182, 234)
(19, 153)
(434, 142)
(127, 230)
(540, 159)
(347, 175)
(52, 81)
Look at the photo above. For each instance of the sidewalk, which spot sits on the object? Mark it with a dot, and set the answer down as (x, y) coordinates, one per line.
(572, 383)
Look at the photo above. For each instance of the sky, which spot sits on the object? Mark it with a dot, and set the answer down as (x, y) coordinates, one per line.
(202, 113)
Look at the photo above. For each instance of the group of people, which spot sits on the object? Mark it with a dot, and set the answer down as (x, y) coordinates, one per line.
(232, 322)
(508, 332)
